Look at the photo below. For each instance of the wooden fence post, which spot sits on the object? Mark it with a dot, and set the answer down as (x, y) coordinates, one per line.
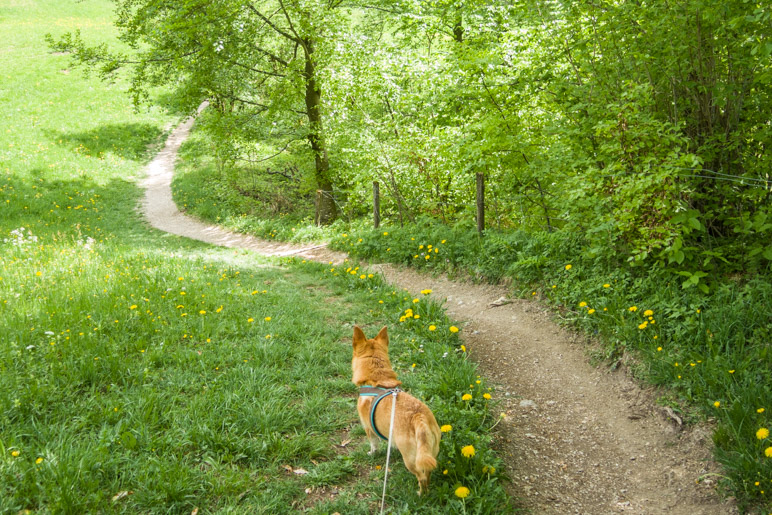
(480, 202)
(317, 216)
(376, 205)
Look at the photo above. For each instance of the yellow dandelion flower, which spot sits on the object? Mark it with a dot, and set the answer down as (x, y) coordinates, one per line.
(426, 292)
(462, 492)
(632, 308)
(643, 325)
(568, 267)
(267, 319)
(432, 327)
(15, 454)
(467, 451)
(648, 313)
(453, 329)
(466, 397)
(250, 320)
(762, 433)
(487, 396)
(39, 461)
(590, 311)
(717, 404)
(445, 472)
(446, 428)
(133, 306)
(760, 410)
(768, 452)
(463, 348)
(607, 285)
(582, 304)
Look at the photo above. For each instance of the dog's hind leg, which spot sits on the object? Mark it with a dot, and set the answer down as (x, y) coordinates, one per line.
(372, 437)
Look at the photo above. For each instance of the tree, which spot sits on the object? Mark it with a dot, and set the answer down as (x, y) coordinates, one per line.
(257, 61)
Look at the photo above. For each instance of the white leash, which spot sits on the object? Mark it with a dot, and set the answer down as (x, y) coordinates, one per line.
(388, 449)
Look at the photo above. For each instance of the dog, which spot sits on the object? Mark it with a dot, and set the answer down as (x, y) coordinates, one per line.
(416, 433)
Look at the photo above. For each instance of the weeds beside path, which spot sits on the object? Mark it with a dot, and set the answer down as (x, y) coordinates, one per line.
(576, 439)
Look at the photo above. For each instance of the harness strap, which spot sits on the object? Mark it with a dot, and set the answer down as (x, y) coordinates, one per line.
(394, 392)
(379, 393)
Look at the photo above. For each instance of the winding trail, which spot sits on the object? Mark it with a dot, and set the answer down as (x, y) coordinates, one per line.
(576, 439)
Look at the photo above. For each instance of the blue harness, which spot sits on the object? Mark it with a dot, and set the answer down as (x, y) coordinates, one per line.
(379, 394)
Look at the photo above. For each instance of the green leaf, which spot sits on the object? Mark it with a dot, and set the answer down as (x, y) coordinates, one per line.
(128, 440)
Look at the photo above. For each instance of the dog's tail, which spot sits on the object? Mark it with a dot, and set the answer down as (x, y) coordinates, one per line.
(427, 446)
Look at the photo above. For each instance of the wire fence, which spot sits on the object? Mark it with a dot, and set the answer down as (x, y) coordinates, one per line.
(518, 208)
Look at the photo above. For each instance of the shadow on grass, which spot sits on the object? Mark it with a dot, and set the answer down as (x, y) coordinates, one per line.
(127, 140)
(78, 208)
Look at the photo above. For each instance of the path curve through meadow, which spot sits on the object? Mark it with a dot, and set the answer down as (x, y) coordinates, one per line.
(576, 439)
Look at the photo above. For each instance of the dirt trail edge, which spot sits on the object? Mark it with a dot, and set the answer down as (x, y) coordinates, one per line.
(576, 439)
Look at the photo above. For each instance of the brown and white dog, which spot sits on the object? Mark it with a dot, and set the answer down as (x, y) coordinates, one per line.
(416, 433)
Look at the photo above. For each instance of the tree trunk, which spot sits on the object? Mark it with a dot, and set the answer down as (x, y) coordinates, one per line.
(326, 209)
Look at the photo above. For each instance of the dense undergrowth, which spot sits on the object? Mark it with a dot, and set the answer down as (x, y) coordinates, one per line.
(710, 350)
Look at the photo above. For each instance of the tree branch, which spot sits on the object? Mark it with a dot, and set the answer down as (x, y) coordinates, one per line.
(271, 24)
(252, 69)
(272, 57)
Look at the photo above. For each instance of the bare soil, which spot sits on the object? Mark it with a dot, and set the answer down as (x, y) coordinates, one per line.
(576, 438)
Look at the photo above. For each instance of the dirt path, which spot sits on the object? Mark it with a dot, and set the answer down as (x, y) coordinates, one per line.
(576, 439)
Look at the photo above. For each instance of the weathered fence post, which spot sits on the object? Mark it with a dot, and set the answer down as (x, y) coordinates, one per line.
(317, 217)
(376, 205)
(480, 202)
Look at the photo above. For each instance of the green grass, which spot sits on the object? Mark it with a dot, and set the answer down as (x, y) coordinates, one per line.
(140, 373)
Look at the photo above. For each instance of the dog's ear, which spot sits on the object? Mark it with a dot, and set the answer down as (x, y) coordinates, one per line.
(383, 336)
(359, 336)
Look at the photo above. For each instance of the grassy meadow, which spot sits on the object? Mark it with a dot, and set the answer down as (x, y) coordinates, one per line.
(143, 373)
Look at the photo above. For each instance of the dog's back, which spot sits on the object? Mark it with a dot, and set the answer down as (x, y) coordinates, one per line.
(416, 433)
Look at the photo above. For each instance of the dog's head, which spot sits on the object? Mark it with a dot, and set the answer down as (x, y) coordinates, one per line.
(370, 362)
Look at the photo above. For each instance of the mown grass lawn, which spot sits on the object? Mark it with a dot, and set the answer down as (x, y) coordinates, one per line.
(144, 373)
